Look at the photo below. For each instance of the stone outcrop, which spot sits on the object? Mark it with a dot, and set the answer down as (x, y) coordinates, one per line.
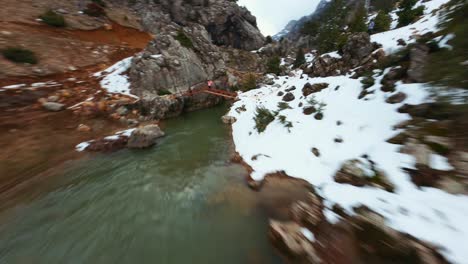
(418, 58)
(227, 23)
(167, 65)
(363, 173)
(357, 51)
(357, 47)
(291, 242)
(195, 41)
(377, 241)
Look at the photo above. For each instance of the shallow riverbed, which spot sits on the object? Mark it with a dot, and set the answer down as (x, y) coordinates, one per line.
(179, 202)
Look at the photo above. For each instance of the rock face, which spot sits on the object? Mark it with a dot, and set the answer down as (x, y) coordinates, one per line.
(418, 58)
(357, 48)
(144, 136)
(194, 43)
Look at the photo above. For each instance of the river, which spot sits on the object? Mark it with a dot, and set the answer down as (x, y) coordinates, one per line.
(179, 202)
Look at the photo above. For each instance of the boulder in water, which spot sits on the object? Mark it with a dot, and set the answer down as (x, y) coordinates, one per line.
(144, 137)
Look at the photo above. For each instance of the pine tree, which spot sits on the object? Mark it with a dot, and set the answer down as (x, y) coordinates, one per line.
(407, 13)
(382, 22)
(300, 58)
(359, 22)
(273, 65)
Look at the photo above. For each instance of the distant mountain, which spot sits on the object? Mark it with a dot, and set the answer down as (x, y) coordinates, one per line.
(293, 29)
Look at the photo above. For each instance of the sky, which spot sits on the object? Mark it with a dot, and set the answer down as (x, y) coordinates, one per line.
(273, 15)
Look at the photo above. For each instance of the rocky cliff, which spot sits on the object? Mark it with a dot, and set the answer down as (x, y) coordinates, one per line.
(194, 42)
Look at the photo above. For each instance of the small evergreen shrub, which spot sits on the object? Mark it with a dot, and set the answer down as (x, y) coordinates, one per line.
(163, 92)
(359, 22)
(287, 124)
(273, 65)
(446, 68)
(184, 40)
(263, 117)
(52, 18)
(300, 58)
(367, 82)
(283, 106)
(249, 83)
(407, 14)
(268, 39)
(19, 55)
(382, 22)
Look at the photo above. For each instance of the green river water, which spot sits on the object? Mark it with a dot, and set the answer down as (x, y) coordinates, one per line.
(179, 202)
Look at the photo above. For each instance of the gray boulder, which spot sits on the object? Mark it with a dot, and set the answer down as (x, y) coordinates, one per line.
(144, 137)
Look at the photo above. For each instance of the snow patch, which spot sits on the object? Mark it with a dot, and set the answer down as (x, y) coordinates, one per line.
(115, 80)
(125, 133)
(309, 235)
(427, 23)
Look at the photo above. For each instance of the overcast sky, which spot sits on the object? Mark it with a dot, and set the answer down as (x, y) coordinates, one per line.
(273, 15)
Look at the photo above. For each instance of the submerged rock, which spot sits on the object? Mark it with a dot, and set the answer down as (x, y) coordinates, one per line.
(144, 136)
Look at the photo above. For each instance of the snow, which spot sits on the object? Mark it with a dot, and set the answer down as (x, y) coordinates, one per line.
(82, 146)
(14, 86)
(366, 125)
(115, 80)
(309, 57)
(440, 163)
(125, 133)
(156, 56)
(425, 24)
(309, 235)
(333, 54)
(444, 40)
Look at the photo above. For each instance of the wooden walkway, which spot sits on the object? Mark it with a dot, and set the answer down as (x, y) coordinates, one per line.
(218, 92)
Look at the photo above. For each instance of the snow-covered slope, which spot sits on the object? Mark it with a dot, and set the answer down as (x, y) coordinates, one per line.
(408, 33)
(351, 128)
